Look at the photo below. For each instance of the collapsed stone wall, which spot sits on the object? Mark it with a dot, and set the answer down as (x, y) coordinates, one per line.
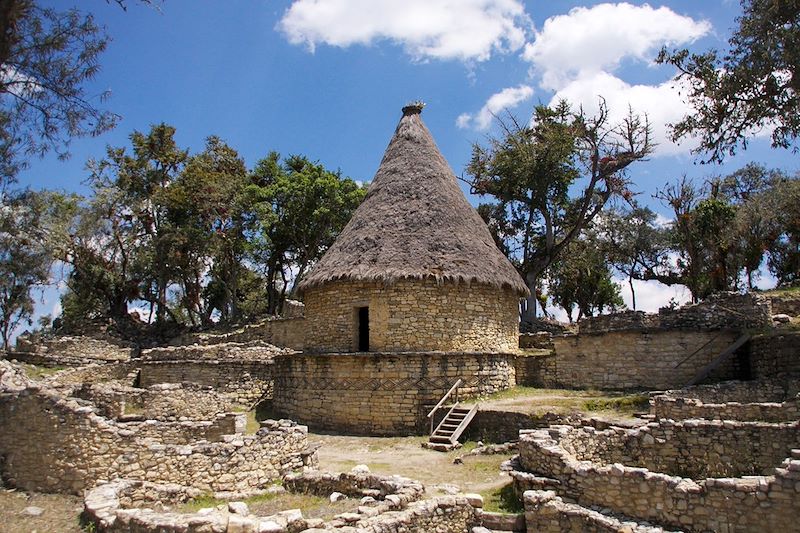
(636, 360)
(380, 393)
(391, 506)
(731, 311)
(413, 316)
(753, 503)
(52, 443)
(775, 356)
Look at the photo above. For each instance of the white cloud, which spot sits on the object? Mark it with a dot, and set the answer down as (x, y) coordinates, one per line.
(505, 99)
(439, 29)
(651, 295)
(587, 41)
(661, 103)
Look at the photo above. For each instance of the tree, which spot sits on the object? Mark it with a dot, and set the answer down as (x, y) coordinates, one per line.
(299, 208)
(532, 170)
(633, 243)
(24, 260)
(46, 59)
(581, 278)
(755, 85)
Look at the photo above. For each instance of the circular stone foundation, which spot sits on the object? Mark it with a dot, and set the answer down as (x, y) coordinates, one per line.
(380, 393)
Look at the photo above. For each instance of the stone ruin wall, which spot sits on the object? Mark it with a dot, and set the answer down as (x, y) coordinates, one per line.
(736, 400)
(732, 311)
(394, 505)
(775, 356)
(413, 316)
(71, 351)
(635, 359)
(380, 393)
(53, 443)
(757, 503)
(286, 332)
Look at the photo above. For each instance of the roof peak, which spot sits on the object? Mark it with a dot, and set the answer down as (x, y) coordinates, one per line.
(413, 108)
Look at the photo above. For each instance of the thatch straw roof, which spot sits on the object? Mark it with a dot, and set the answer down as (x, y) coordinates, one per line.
(415, 223)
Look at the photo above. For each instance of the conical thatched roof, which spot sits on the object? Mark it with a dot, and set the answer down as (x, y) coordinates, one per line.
(415, 223)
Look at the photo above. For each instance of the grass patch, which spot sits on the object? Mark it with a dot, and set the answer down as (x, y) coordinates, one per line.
(253, 424)
(502, 500)
(626, 404)
(201, 502)
(313, 506)
(38, 372)
(131, 409)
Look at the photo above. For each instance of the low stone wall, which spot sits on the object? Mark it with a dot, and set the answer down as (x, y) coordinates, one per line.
(235, 351)
(733, 400)
(752, 504)
(785, 304)
(391, 506)
(775, 356)
(732, 311)
(547, 513)
(71, 350)
(286, 332)
(243, 382)
(638, 360)
(380, 393)
(50, 443)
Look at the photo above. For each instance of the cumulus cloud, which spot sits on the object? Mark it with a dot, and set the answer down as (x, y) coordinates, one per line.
(662, 104)
(590, 40)
(505, 99)
(467, 30)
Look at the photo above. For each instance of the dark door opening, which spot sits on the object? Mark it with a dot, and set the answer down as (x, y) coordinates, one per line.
(363, 329)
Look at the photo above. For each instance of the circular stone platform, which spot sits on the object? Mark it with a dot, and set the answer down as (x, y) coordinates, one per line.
(380, 393)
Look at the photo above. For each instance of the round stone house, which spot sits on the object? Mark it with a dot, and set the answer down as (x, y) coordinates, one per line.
(413, 295)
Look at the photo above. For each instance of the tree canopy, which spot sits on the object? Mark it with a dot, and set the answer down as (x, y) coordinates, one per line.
(751, 87)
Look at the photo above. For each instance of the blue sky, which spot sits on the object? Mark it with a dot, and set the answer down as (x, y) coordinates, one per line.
(327, 78)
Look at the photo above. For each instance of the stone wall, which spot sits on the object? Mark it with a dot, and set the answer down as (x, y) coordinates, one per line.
(638, 360)
(245, 383)
(785, 304)
(748, 504)
(775, 356)
(734, 400)
(380, 393)
(547, 513)
(731, 311)
(68, 350)
(50, 443)
(286, 332)
(391, 506)
(536, 369)
(412, 315)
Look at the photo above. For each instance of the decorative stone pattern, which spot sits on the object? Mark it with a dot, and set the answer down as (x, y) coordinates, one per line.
(578, 469)
(380, 393)
(413, 316)
(547, 513)
(392, 507)
(775, 356)
(745, 401)
(732, 311)
(638, 360)
(52, 443)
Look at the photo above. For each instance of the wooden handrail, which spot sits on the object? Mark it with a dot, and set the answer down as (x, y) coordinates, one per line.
(445, 397)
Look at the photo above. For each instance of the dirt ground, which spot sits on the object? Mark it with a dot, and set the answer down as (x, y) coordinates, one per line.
(61, 513)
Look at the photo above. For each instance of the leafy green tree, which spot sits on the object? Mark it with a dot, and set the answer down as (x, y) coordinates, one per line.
(46, 58)
(633, 243)
(784, 250)
(25, 260)
(752, 86)
(532, 172)
(580, 278)
(299, 207)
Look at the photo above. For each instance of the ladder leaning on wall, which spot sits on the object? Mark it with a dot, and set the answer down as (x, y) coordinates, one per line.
(445, 435)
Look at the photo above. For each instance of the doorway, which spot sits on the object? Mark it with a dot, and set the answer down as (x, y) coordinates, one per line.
(363, 329)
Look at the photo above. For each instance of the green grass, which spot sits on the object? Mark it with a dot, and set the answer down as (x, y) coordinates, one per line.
(38, 372)
(201, 502)
(627, 404)
(502, 500)
(253, 424)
